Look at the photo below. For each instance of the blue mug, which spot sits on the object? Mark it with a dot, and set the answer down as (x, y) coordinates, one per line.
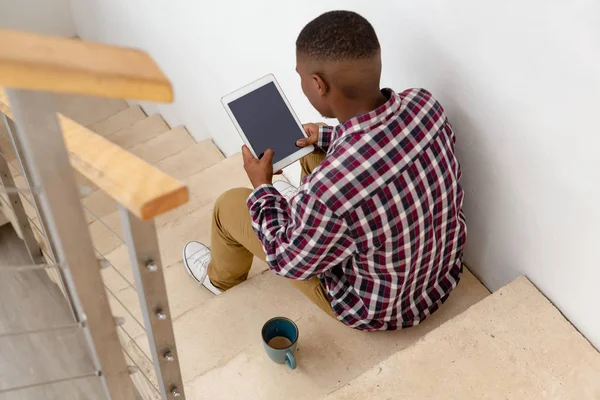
(280, 338)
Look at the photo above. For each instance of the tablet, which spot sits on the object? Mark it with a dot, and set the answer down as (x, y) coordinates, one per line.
(265, 120)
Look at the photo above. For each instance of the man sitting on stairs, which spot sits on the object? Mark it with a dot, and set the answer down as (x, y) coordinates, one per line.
(374, 234)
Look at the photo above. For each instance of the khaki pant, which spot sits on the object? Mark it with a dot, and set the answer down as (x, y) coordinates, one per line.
(234, 242)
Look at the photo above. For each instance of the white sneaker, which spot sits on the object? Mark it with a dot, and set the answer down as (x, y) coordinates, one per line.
(196, 258)
(286, 189)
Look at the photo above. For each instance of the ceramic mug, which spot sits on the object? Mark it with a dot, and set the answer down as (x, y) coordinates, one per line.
(280, 338)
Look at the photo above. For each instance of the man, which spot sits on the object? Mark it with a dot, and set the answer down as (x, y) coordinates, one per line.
(375, 233)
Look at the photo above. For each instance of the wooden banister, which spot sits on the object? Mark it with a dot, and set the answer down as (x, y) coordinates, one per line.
(141, 188)
(53, 64)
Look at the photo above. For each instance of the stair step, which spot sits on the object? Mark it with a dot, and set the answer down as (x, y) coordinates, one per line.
(164, 145)
(192, 160)
(88, 110)
(219, 342)
(99, 204)
(121, 120)
(172, 237)
(107, 233)
(205, 187)
(514, 343)
(161, 146)
(6, 147)
(174, 229)
(139, 132)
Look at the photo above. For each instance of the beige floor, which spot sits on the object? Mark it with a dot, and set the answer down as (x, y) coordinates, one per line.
(512, 345)
(30, 301)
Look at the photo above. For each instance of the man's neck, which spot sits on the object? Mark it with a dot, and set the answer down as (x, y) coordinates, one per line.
(350, 109)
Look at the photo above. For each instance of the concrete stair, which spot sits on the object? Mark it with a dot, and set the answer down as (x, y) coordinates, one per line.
(474, 346)
(513, 344)
(222, 356)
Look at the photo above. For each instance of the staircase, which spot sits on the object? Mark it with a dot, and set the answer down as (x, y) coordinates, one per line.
(218, 338)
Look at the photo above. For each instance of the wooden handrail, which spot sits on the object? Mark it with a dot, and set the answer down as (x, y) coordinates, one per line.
(141, 188)
(53, 64)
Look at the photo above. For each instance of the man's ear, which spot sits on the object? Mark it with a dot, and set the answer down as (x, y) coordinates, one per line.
(321, 85)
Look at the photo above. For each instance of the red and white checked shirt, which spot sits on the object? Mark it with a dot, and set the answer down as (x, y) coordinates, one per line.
(380, 221)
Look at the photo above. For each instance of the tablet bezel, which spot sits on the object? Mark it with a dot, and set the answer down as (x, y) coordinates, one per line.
(225, 100)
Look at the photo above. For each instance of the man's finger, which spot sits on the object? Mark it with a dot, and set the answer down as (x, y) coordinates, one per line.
(247, 154)
(267, 158)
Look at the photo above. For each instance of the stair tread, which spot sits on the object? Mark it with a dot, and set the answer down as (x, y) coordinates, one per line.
(513, 343)
(192, 160)
(139, 132)
(172, 238)
(220, 340)
(206, 186)
(163, 145)
(88, 110)
(188, 156)
(106, 233)
(99, 203)
(121, 120)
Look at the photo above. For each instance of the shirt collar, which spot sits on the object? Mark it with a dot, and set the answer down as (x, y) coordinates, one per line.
(372, 119)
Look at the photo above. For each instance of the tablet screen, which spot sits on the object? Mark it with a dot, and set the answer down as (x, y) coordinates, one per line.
(267, 121)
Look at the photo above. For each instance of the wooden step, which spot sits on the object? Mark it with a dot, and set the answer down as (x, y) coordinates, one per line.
(514, 344)
(121, 120)
(219, 342)
(164, 145)
(139, 132)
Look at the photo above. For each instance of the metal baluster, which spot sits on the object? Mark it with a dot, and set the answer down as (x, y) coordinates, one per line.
(45, 155)
(144, 254)
(12, 129)
(31, 244)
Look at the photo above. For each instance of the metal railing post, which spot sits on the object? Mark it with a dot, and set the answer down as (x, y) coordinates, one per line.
(144, 255)
(47, 160)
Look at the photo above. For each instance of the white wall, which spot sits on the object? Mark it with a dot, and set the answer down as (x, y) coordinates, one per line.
(520, 81)
(52, 17)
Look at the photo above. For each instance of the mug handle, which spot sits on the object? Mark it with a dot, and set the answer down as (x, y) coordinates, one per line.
(290, 360)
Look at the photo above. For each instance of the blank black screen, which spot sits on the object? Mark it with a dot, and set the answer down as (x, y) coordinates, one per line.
(267, 122)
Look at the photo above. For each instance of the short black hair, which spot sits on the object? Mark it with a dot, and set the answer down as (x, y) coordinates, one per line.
(338, 35)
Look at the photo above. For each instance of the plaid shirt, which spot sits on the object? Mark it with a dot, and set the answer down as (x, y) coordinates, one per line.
(379, 221)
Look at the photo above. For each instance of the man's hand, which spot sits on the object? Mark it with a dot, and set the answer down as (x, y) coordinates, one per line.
(312, 130)
(260, 172)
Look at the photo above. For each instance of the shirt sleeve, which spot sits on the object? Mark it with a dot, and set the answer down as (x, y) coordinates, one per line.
(301, 239)
(325, 133)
